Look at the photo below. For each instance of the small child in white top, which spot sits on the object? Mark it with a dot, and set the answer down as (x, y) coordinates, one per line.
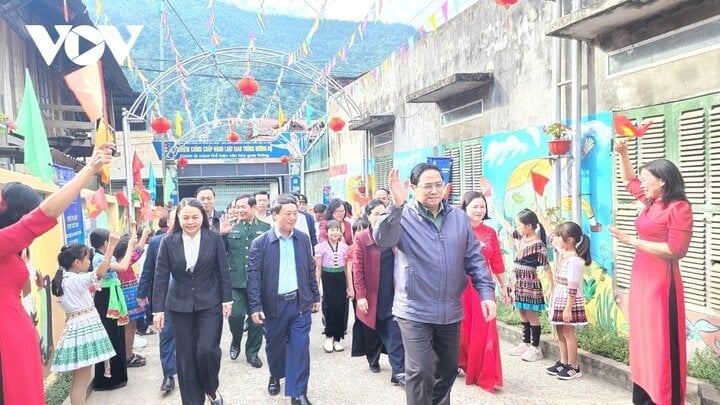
(567, 309)
(84, 341)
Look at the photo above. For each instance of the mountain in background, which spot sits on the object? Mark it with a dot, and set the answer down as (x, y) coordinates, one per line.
(212, 91)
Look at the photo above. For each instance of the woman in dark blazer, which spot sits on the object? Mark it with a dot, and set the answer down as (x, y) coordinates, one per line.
(197, 299)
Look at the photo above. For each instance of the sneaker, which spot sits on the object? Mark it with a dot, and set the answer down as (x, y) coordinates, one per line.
(555, 368)
(532, 354)
(569, 372)
(328, 346)
(519, 349)
(338, 347)
(398, 379)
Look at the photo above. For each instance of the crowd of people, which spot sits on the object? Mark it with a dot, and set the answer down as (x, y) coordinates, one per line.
(421, 274)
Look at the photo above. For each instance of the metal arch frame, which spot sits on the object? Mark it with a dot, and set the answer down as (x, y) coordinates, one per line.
(239, 55)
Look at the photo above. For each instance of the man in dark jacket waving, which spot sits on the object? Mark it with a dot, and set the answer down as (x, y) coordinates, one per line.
(436, 249)
(283, 291)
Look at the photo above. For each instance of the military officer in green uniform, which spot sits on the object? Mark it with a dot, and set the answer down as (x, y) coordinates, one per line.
(238, 234)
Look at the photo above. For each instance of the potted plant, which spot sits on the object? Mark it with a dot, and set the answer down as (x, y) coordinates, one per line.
(560, 144)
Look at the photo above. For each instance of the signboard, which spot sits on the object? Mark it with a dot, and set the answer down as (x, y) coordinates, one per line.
(295, 183)
(286, 144)
(73, 216)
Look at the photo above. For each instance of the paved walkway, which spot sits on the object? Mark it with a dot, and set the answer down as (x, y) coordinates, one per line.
(337, 378)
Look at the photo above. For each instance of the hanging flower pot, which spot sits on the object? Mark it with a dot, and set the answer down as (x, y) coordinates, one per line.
(160, 125)
(248, 86)
(182, 162)
(284, 159)
(336, 124)
(559, 147)
(560, 144)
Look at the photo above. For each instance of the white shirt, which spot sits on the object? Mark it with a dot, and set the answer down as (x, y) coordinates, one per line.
(191, 246)
(76, 295)
(301, 224)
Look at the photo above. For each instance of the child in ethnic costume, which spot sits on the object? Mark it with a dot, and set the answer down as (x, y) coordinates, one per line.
(567, 309)
(529, 299)
(84, 341)
(335, 281)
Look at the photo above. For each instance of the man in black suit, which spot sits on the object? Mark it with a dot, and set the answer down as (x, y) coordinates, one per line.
(206, 196)
(196, 300)
(144, 295)
(283, 291)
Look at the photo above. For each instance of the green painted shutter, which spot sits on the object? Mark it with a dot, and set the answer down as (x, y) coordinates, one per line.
(454, 153)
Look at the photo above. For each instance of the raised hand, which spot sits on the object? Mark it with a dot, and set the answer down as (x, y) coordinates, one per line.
(226, 224)
(621, 146)
(399, 190)
(101, 157)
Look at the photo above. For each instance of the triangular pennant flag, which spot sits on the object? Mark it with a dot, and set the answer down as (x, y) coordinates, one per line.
(178, 124)
(309, 110)
(444, 9)
(539, 182)
(96, 203)
(87, 85)
(143, 194)
(122, 199)
(281, 116)
(137, 166)
(31, 126)
(168, 186)
(152, 184)
(102, 136)
(433, 23)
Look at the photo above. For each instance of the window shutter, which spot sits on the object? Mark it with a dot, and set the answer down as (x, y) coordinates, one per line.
(472, 167)
(692, 154)
(692, 266)
(713, 190)
(652, 145)
(382, 171)
(454, 153)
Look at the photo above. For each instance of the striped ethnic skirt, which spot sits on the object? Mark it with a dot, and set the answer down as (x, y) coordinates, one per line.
(528, 289)
(84, 342)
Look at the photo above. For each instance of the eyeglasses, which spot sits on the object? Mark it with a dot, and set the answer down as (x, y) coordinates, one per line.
(431, 186)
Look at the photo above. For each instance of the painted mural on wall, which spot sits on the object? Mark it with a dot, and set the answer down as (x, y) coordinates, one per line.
(517, 167)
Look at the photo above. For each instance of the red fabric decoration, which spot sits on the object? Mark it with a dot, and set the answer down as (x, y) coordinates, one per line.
(232, 136)
(121, 199)
(336, 124)
(137, 165)
(182, 161)
(144, 195)
(506, 3)
(96, 203)
(284, 159)
(146, 213)
(248, 86)
(160, 125)
(623, 126)
(539, 182)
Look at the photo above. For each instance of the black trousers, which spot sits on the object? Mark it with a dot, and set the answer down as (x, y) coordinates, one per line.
(197, 346)
(431, 361)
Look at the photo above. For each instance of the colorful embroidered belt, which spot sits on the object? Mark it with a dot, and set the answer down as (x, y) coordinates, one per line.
(340, 269)
(79, 313)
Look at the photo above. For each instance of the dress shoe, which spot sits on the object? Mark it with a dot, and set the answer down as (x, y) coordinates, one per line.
(301, 400)
(168, 384)
(375, 368)
(255, 361)
(398, 379)
(274, 386)
(234, 352)
(218, 399)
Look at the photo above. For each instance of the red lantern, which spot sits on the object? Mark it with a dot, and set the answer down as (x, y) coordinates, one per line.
(284, 159)
(336, 124)
(232, 136)
(248, 86)
(506, 3)
(160, 125)
(182, 162)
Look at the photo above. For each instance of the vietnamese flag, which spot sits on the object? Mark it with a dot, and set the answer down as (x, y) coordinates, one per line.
(539, 182)
(96, 203)
(137, 165)
(122, 199)
(144, 195)
(146, 213)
